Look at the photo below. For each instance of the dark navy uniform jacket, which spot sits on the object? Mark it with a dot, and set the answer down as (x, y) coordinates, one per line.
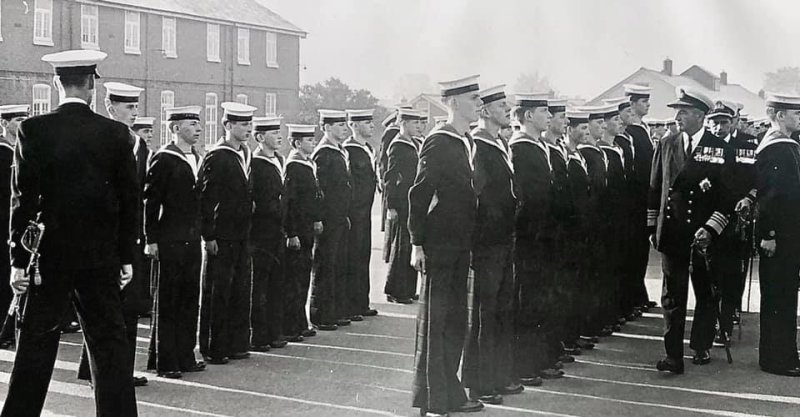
(226, 193)
(266, 175)
(401, 170)
(171, 197)
(333, 174)
(778, 184)
(494, 186)
(302, 196)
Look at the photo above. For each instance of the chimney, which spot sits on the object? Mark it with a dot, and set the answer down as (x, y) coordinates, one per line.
(723, 78)
(667, 69)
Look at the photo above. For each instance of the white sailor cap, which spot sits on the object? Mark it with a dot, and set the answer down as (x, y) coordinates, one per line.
(301, 131)
(557, 105)
(267, 123)
(577, 116)
(783, 101)
(744, 116)
(11, 111)
(691, 97)
(493, 94)
(723, 108)
(332, 116)
(143, 122)
(409, 114)
(75, 62)
(122, 93)
(636, 91)
(622, 103)
(237, 112)
(602, 111)
(532, 100)
(459, 86)
(183, 113)
(359, 115)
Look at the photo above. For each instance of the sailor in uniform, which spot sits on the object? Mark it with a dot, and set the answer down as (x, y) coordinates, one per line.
(172, 234)
(227, 208)
(143, 128)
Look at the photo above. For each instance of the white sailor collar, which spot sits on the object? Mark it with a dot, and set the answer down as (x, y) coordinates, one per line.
(353, 143)
(773, 137)
(403, 140)
(326, 143)
(520, 137)
(276, 161)
(596, 149)
(616, 149)
(242, 157)
(296, 158)
(6, 143)
(173, 149)
(449, 130)
(478, 135)
(559, 150)
(576, 156)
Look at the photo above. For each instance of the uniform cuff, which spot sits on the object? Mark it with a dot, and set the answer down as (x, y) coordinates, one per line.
(652, 217)
(716, 223)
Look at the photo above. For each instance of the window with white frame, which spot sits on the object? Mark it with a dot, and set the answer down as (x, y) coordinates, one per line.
(167, 101)
(271, 105)
(272, 49)
(43, 22)
(241, 98)
(41, 99)
(212, 42)
(211, 118)
(169, 37)
(132, 33)
(243, 36)
(89, 27)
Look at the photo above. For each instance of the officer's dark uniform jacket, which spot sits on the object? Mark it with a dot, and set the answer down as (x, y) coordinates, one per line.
(266, 175)
(362, 174)
(171, 197)
(777, 162)
(442, 201)
(494, 182)
(48, 180)
(334, 180)
(533, 177)
(227, 201)
(401, 171)
(302, 198)
(687, 194)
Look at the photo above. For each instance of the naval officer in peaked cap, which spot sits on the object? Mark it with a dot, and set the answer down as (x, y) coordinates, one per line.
(75, 173)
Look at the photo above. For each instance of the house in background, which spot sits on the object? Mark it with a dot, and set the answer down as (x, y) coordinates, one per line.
(182, 52)
(664, 82)
(430, 104)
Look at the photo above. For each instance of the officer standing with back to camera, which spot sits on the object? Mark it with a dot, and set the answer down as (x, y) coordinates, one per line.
(75, 173)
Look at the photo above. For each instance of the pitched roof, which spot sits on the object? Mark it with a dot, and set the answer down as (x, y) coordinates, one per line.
(248, 12)
(434, 99)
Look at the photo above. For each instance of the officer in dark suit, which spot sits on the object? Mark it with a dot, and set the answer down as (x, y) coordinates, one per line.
(533, 295)
(267, 238)
(488, 366)
(226, 209)
(10, 117)
(302, 222)
(359, 239)
(75, 173)
(330, 252)
(778, 188)
(441, 220)
(688, 207)
(733, 248)
(401, 277)
(172, 232)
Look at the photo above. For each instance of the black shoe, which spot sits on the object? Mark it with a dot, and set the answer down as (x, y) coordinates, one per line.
(651, 304)
(606, 332)
(195, 367)
(566, 358)
(737, 317)
(572, 350)
(669, 364)
(584, 344)
(469, 407)
(327, 327)
(616, 328)
(216, 361)
(621, 321)
(511, 389)
(644, 309)
(308, 333)
(72, 327)
(558, 365)
(7, 344)
(393, 299)
(551, 373)
(590, 339)
(415, 297)
(701, 357)
(357, 317)
(343, 322)
(793, 372)
(631, 317)
(370, 312)
(168, 374)
(260, 348)
(239, 355)
(295, 338)
(424, 413)
(531, 381)
(280, 343)
(494, 399)
(139, 381)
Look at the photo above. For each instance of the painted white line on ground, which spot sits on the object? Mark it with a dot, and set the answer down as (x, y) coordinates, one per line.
(84, 391)
(527, 411)
(704, 411)
(400, 315)
(349, 349)
(661, 316)
(363, 365)
(633, 366)
(381, 336)
(740, 395)
(644, 337)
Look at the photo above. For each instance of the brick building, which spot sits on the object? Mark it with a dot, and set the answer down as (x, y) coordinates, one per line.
(182, 52)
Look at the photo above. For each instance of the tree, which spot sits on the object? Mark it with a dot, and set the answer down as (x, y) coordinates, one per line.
(533, 83)
(785, 79)
(334, 94)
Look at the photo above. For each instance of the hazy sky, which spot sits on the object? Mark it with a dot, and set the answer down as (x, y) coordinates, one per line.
(582, 46)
